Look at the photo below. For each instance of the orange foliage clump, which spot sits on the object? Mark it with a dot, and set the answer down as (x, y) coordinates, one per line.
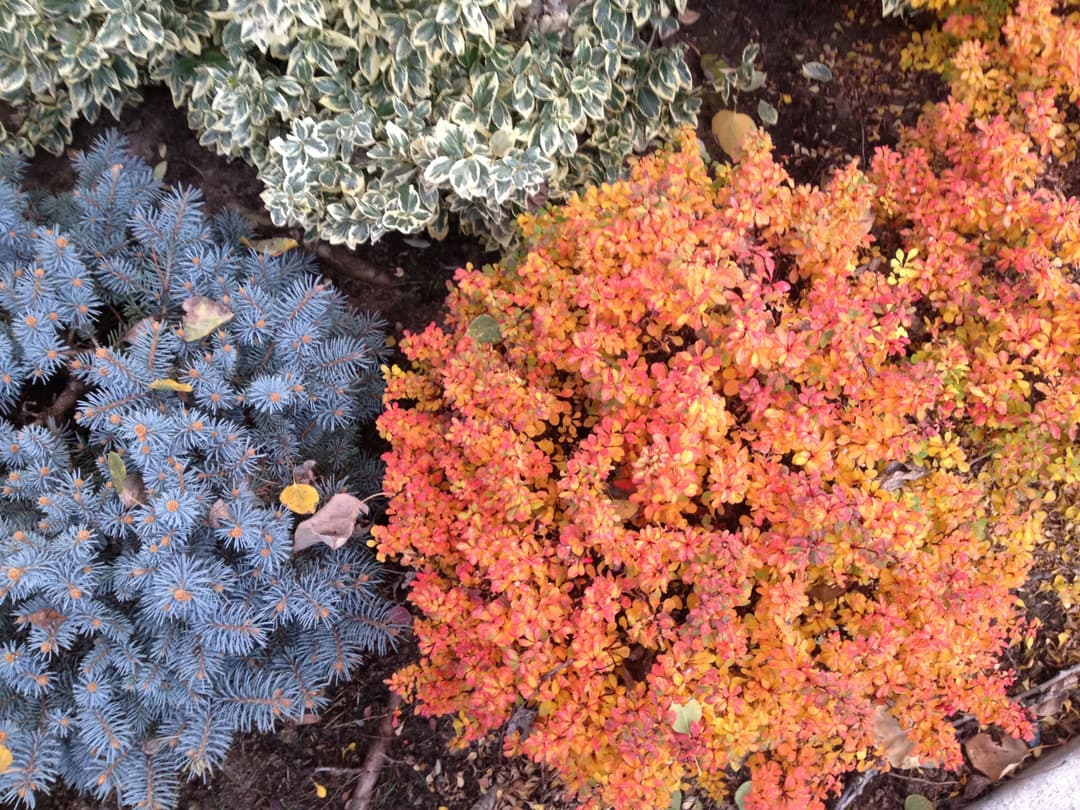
(1018, 59)
(716, 471)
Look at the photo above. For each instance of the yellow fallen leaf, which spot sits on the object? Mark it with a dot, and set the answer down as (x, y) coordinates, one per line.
(730, 130)
(170, 385)
(300, 498)
(320, 790)
(5, 758)
(275, 247)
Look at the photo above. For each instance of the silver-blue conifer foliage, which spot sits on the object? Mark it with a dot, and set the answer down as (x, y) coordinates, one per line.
(151, 603)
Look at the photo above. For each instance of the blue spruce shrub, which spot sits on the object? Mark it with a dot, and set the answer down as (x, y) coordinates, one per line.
(160, 383)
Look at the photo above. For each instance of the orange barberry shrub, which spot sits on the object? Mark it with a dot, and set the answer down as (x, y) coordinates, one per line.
(1019, 59)
(700, 480)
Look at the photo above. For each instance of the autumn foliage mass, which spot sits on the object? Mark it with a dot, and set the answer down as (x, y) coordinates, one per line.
(721, 471)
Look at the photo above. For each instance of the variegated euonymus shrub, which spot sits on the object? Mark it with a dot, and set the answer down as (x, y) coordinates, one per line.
(368, 116)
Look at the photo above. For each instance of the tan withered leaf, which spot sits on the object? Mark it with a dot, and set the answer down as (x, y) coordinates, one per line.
(138, 329)
(202, 316)
(300, 498)
(897, 474)
(133, 492)
(275, 247)
(824, 592)
(730, 130)
(166, 384)
(625, 508)
(219, 513)
(332, 525)
(400, 620)
(993, 758)
(304, 473)
(893, 740)
(46, 618)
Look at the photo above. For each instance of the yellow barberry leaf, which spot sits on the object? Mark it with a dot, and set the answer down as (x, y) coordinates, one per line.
(300, 498)
(5, 758)
(320, 790)
(170, 385)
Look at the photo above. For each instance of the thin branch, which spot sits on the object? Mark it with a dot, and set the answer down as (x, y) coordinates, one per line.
(940, 782)
(350, 265)
(855, 789)
(1047, 686)
(376, 756)
(65, 401)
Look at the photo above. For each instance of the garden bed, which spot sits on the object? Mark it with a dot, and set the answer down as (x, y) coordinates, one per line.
(821, 126)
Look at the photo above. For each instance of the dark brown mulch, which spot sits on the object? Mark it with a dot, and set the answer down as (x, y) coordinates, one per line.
(821, 126)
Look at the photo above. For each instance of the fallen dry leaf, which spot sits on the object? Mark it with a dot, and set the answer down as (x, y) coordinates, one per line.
(332, 525)
(300, 498)
(219, 513)
(304, 473)
(202, 316)
(399, 617)
(275, 247)
(625, 508)
(893, 740)
(1053, 699)
(897, 474)
(46, 618)
(730, 130)
(137, 330)
(165, 384)
(993, 758)
(133, 491)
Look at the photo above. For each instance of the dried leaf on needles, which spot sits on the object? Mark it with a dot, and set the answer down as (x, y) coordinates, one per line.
(332, 525)
(202, 316)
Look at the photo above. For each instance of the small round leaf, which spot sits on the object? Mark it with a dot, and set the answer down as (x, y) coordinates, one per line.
(767, 113)
(300, 498)
(686, 714)
(484, 329)
(916, 801)
(817, 71)
(741, 792)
